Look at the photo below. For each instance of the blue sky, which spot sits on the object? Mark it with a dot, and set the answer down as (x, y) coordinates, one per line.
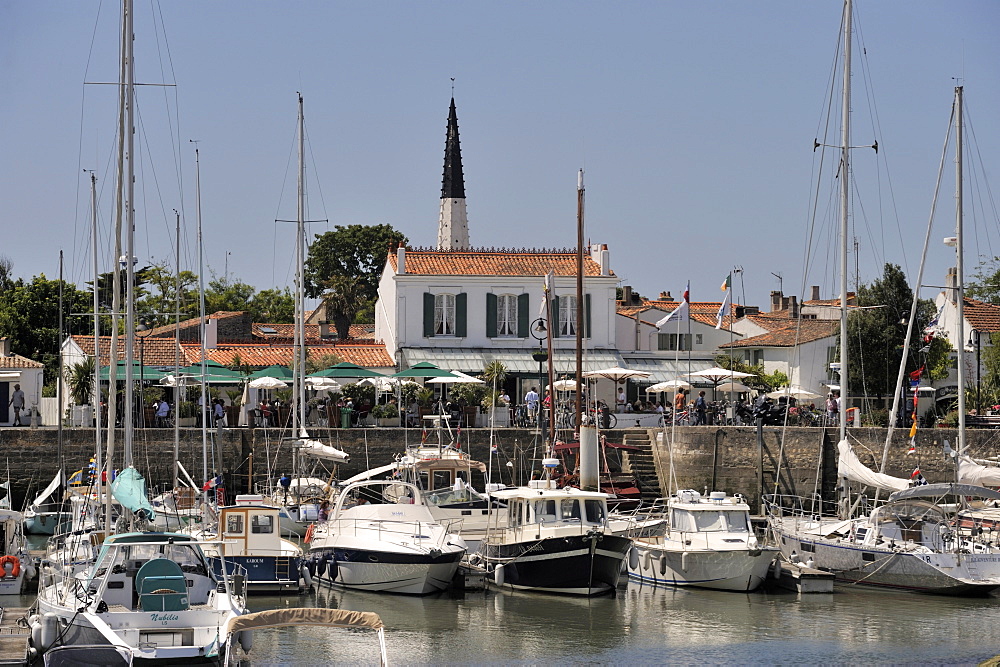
(694, 122)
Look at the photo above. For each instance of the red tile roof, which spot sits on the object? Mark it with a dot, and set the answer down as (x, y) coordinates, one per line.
(705, 312)
(494, 262)
(154, 351)
(358, 332)
(982, 316)
(799, 331)
(17, 361)
(167, 330)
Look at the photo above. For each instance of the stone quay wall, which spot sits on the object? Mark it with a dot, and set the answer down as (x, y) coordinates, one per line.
(725, 459)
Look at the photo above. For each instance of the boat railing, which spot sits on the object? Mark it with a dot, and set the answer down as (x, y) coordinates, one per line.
(387, 529)
(566, 528)
(812, 506)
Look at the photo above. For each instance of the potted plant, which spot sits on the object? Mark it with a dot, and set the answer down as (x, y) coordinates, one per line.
(425, 401)
(499, 413)
(187, 414)
(386, 414)
(470, 396)
(80, 378)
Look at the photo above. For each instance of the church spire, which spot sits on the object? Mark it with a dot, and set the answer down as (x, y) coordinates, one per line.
(453, 222)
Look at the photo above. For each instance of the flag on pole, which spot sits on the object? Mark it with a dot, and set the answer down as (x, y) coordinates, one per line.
(727, 283)
(915, 473)
(913, 438)
(680, 313)
(546, 288)
(722, 310)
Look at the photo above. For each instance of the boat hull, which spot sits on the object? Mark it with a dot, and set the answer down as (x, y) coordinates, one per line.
(385, 571)
(734, 570)
(930, 572)
(43, 523)
(265, 574)
(586, 564)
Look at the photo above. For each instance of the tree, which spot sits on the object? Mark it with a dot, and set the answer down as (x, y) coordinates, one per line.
(985, 282)
(355, 250)
(225, 295)
(321, 362)
(342, 299)
(159, 301)
(274, 306)
(876, 334)
(761, 380)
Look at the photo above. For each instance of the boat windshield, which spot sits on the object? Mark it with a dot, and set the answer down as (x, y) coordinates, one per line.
(132, 556)
(449, 495)
(705, 522)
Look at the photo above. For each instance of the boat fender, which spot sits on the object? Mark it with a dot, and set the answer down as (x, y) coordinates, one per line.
(246, 640)
(633, 558)
(306, 576)
(334, 570)
(35, 623)
(753, 552)
(498, 575)
(475, 559)
(663, 564)
(776, 569)
(15, 566)
(321, 566)
(684, 562)
(50, 630)
(311, 565)
(309, 533)
(29, 571)
(646, 560)
(435, 553)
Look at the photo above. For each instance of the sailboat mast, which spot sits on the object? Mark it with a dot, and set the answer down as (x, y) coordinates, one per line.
(59, 384)
(206, 414)
(98, 467)
(960, 268)
(579, 299)
(300, 348)
(177, 349)
(130, 241)
(844, 222)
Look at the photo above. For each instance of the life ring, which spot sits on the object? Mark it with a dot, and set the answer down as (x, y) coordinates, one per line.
(309, 533)
(15, 568)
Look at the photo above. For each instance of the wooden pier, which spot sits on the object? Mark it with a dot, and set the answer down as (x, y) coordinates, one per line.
(13, 637)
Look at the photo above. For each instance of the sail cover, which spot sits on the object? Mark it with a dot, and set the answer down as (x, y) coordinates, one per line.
(970, 472)
(129, 489)
(318, 450)
(43, 497)
(852, 468)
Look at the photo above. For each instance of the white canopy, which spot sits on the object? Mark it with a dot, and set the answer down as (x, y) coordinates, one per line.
(793, 391)
(564, 385)
(851, 467)
(458, 377)
(733, 386)
(970, 472)
(267, 383)
(616, 373)
(718, 374)
(669, 385)
(321, 383)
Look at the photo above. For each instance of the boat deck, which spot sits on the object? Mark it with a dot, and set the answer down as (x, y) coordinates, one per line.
(13, 638)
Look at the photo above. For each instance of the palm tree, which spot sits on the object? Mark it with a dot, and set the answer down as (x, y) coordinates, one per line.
(80, 378)
(343, 299)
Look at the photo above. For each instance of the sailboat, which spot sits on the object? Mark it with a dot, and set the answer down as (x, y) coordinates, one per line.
(299, 502)
(146, 596)
(909, 542)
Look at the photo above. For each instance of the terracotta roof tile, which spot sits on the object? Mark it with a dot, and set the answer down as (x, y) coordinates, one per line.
(982, 316)
(286, 332)
(154, 351)
(17, 361)
(800, 331)
(167, 330)
(494, 263)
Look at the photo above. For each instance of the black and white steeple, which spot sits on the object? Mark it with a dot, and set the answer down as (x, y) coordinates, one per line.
(453, 223)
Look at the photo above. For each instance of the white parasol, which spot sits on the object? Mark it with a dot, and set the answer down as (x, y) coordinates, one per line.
(736, 387)
(267, 382)
(616, 373)
(669, 385)
(322, 384)
(718, 374)
(794, 391)
(564, 385)
(458, 377)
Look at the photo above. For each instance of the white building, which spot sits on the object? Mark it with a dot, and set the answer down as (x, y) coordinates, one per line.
(18, 370)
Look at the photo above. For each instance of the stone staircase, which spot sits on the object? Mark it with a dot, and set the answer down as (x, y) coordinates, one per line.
(641, 464)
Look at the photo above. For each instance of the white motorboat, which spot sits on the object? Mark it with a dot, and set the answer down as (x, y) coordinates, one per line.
(17, 567)
(709, 544)
(382, 537)
(909, 543)
(554, 540)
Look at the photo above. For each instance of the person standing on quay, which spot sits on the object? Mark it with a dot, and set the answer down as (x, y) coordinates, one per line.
(17, 402)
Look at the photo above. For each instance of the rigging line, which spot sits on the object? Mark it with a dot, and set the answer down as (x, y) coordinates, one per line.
(319, 184)
(172, 122)
(975, 142)
(281, 194)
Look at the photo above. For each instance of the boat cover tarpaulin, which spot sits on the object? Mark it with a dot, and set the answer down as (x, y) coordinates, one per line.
(852, 468)
(129, 489)
(943, 489)
(275, 618)
(970, 472)
(318, 450)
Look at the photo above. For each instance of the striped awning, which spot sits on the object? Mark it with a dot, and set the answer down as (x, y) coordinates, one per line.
(517, 360)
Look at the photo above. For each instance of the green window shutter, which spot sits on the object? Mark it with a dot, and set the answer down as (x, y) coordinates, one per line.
(491, 315)
(461, 307)
(522, 316)
(554, 324)
(586, 316)
(428, 315)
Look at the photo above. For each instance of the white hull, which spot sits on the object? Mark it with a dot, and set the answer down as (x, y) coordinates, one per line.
(405, 578)
(671, 565)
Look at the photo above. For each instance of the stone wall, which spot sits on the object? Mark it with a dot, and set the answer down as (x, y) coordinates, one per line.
(726, 459)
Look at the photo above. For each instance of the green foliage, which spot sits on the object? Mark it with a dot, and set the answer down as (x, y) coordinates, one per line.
(223, 294)
(159, 300)
(187, 409)
(361, 394)
(424, 396)
(235, 397)
(878, 417)
(494, 372)
(984, 283)
(408, 392)
(760, 380)
(352, 250)
(343, 297)
(468, 393)
(491, 398)
(321, 362)
(80, 378)
(284, 395)
(274, 306)
(876, 333)
(386, 411)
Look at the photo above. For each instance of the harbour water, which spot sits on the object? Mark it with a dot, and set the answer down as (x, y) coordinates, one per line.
(646, 625)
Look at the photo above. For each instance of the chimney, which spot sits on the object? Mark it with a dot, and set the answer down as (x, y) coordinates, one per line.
(793, 304)
(951, 284)
(5, 346)
(815, 293)
(400, 260)
(665, 296)
(776, 303)
(212, 334)
(324, 329)
(627, 295)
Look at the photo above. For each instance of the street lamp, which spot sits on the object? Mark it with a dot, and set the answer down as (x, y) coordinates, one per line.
(540, 333)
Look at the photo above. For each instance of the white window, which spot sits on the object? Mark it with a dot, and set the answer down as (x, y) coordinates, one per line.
(444, 314)
(567, 316)
(671, 341)
(507, 315)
